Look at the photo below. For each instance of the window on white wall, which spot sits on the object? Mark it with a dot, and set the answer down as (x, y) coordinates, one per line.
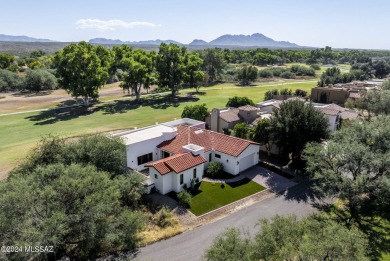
(217, 156)
(194, 174)
(181, 179)
(155, 176)
(145, 158)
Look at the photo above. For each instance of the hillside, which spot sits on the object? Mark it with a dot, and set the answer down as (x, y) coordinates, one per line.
(258, 40)
(117, 41)
(21, 38)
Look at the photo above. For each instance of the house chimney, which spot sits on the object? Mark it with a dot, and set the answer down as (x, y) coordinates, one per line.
(214, 120)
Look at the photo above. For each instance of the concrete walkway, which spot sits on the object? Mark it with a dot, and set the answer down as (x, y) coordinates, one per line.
(262, 176)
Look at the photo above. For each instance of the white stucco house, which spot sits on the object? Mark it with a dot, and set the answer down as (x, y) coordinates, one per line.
(177, 152)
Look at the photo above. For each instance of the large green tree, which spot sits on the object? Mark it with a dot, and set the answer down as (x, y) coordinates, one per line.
(196, 112)
(106, 154)
(231, 245)
(170, 66)
(82, 69)
(294, 125)
(138, 71)
(241, 130)
(261, 133)
(213, 63)
(354, 165)
(247, 74)
(237, 101)
(76, 209)
(6, 60)
(39, 80)
(286, 238)
(192, 72)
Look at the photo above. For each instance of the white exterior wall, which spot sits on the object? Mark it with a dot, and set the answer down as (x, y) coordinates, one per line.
(253, 151)
(163, 183)
(267, 108)
(133, 151)
(187, 177)
(171, 181)
(230, 162)
(333, 122)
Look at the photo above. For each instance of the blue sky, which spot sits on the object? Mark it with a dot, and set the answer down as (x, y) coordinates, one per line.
(336, 23)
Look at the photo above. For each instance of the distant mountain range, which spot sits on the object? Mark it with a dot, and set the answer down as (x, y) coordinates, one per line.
(22, 38)
(254, 40)
(117, 41)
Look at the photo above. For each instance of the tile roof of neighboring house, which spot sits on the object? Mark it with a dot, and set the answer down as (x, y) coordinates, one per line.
(349, 115)
(354, 95)
(209, 140)
(230, 115)
(177, 163)
(248, 108)
(328, 111)
(335, 107)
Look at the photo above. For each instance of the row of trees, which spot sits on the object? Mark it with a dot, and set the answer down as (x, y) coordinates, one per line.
(288, 92)
(286, 238)
(83, 68)
(359, 71)
(75, 196)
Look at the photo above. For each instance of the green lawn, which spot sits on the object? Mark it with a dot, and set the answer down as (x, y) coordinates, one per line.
(211, 196)
(19, 133)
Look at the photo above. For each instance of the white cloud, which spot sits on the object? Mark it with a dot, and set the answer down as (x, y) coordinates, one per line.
(110, 25)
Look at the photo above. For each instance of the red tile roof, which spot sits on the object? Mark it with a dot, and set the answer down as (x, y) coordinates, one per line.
(177, 163)
(209, 140)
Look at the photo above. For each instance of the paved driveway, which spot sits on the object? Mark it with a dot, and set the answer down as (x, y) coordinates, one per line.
(191, 244)
(268, 179)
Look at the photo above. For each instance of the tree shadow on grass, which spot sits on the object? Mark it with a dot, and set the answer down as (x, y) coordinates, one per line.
(70, 102)
(32, 94)
(119, 106)
(169, 101)
(57, 115)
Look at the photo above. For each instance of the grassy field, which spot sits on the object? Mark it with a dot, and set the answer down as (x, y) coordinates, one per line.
(211, 196)
(19, 133)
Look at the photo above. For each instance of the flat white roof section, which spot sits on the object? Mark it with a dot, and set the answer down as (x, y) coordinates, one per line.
(147, 133)
(183, 121)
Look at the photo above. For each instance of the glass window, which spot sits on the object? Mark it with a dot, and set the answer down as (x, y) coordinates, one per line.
(217, 156)
(155, 176)
(210, 157)
(145, 158)
(194, 174)
(165, 154)
(181, 179)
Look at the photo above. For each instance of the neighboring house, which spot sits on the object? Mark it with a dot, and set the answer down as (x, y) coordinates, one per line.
(176, 153)
(225, 119)
(339, 93)
(333, 112)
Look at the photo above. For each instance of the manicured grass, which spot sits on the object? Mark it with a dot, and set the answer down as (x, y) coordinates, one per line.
(211, 196)
(19, 133)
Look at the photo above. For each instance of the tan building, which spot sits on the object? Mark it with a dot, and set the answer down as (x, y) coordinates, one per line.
(339, 93)
(225, 119)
